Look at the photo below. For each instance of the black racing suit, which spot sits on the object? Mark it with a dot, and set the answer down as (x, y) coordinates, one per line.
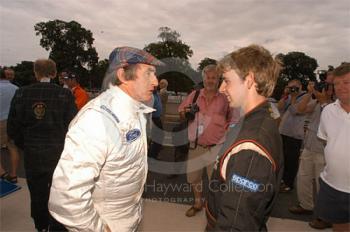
(246, 178)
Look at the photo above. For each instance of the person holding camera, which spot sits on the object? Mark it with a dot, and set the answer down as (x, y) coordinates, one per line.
(292, 106)
(312, 159)
(208, 116)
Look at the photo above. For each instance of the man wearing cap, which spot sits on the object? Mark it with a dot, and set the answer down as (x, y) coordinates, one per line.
(62, 79)
(98, 182)
(81, 97)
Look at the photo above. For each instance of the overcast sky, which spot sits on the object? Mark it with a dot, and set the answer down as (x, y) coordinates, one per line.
(319, 28)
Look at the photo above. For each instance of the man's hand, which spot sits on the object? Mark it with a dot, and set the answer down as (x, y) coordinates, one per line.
(182, 115)
(107, 229)
(322, 97)
(311, 87)
(285, 93)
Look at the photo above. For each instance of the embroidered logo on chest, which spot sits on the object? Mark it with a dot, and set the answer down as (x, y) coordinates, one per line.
(132, 135)
(39, 110)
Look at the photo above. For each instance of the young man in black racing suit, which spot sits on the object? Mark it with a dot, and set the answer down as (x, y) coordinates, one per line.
(247, 175)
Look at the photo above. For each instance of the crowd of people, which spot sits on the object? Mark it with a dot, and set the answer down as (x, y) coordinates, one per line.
(86, 160)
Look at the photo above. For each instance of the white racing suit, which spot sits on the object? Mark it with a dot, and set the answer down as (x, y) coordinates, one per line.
(100, 177)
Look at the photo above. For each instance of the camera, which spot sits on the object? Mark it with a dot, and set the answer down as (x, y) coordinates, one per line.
(191, 114)
(293, 89)
(322, 84)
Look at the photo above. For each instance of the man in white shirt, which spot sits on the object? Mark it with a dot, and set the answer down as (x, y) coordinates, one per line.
(99, 180)
(334, 196)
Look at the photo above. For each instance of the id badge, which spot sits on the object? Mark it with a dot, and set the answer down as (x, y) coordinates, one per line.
(200, 129)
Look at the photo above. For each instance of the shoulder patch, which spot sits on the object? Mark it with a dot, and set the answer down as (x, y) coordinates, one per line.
(39, 110)
(241, 181)
(132, 135)
(240, 146)
(105, 108)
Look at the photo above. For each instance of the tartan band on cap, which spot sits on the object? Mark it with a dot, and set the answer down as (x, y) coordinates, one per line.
(122, 56)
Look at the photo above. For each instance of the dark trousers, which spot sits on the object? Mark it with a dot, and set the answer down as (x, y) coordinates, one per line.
(157, 135)
(39, 184)
(291, 152)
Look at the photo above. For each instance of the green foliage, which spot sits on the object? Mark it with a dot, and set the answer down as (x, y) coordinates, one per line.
(296, 65)
(167, 49)
(205, 62)
(97, 74)
(169, 46)
(24, 74)
(175, 54)
(70, 45)
(166, 34)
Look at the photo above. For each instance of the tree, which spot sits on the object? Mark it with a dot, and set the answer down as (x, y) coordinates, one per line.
(169, 46)
(296, 65)
(175, 54)
(70, 45)
(205, 62)
(97, 73)
(166, 34)
(24, 74)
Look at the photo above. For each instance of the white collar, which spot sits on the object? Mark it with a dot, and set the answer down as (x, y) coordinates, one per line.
(128, 102)
(45, 80)
(340, 108)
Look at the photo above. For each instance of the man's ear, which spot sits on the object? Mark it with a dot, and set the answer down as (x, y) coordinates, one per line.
(250, 79)
(121, 75)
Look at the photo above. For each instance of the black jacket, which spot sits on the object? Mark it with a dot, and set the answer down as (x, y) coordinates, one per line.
(246, 179)
(38, 122)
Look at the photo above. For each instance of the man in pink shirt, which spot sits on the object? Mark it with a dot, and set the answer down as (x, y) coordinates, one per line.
(208, 119)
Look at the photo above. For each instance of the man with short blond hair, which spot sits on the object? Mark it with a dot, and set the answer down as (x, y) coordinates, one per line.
(38, 121)
(246, 178)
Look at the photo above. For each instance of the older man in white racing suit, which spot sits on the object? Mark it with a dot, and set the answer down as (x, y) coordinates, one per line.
(98, 182)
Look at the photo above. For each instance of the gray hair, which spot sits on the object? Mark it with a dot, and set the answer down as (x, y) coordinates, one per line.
(163, 82)
(208, 68)
(109, 79)
(112, 79)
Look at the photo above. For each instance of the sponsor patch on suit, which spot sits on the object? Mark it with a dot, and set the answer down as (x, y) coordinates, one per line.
(245, 183)
(132, 135)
